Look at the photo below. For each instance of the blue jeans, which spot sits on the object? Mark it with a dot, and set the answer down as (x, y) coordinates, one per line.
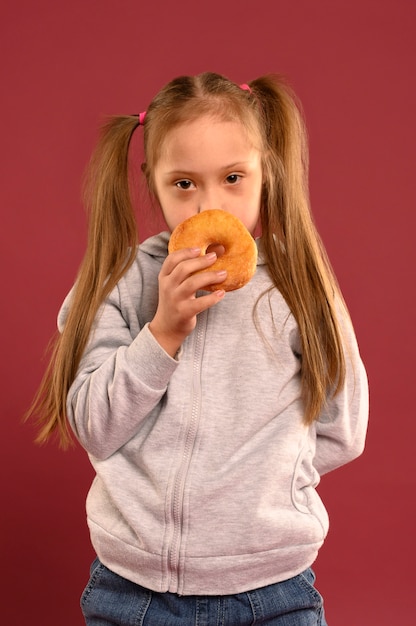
(110, 600)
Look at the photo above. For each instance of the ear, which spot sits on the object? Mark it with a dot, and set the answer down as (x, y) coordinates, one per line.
(145, 171)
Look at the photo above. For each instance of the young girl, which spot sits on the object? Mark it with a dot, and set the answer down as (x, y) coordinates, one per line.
(208, 417)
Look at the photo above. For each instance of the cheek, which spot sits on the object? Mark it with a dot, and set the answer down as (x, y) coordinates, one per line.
(157, 204)
(173, 214)
(253, 213)
(171, 223)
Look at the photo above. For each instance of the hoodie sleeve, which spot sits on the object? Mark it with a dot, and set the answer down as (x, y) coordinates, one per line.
(122, 376)
(342, 427)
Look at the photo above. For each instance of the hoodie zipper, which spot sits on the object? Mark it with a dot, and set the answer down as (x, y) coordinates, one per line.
(188, 448)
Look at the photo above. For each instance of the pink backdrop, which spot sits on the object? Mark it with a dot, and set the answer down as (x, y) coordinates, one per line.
(352, 63)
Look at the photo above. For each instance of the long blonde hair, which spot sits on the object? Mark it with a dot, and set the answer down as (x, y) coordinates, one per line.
(293, 251)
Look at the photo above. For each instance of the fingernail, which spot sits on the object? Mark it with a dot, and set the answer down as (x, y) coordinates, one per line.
(211, 255)
(221, 273)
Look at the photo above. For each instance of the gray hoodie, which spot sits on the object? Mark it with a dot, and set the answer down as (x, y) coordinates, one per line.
(205, 472)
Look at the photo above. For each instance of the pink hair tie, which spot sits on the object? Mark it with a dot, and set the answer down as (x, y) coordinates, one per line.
(245, 87)
(142, 115)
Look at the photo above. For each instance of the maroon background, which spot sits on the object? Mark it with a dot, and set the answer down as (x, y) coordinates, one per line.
(64, 65)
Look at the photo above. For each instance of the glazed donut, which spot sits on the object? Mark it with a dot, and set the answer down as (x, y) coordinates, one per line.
(215, 227)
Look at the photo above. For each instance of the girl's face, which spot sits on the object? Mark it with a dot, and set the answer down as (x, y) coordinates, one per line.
(209, 164)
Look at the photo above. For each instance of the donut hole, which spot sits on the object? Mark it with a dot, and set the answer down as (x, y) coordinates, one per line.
(218, 248)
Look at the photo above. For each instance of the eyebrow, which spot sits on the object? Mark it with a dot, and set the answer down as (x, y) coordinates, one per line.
(184, 172)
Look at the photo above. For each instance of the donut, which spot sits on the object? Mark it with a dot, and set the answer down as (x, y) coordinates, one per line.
(215, 227)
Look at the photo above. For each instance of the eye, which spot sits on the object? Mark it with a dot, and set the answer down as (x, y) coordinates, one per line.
(184, 184)
(232, 179)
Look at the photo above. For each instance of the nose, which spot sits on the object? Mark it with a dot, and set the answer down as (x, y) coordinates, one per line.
(209, 199)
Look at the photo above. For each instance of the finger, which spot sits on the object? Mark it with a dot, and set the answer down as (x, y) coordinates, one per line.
(206, 301)
(188, 266)
(177, 257)
(203, 279)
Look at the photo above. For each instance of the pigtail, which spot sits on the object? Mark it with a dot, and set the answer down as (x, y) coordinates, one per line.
(298, 264)
(111, 249)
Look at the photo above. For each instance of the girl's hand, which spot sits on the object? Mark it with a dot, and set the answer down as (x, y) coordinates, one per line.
(178, 306)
